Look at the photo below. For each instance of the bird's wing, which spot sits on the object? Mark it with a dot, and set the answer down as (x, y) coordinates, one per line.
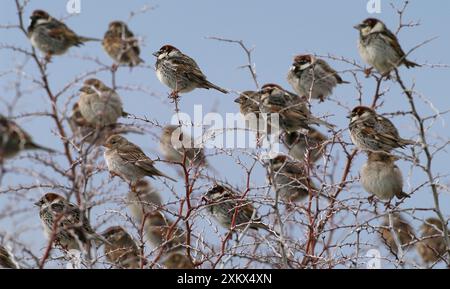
(329, 70)
(392, 40)
(188, 67)
(133, 154)
(381, 135)
(60, 31)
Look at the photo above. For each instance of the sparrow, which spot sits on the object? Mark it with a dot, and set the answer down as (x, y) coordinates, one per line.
(13, 139)
(227, 207)
(143, 200)
(403, 229)
(51, 36)
(381, 177)
(99, 105)
(66, 223)
(379, 47)
(160, 232)
(370, 131)
(82, 129)
(6, 259)
(249, 105)
(178, 260)
(180, 72)
(431, 249)
(292, 110)
(311, 144)
(128, 161)
(121, 250)
(290, 179)
(312, 77)
(178, 147)
(121, 45)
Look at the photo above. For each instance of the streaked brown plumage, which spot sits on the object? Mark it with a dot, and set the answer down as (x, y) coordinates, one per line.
(379, 47)
(142, 200)
(178, 260)
(99, 105)
(121, 250)
(293, 112)
(51, 36)
(6, 260)
(290, 179)
(121, 45)
(180, 72)
(403, 230)
(313, 77)
(177, 146)
(161, 231)
(300, 146)
(249, 105)
(128, 161)
(432, 249)
(370, 131)
(225, 206)
(13, 139)
(73, 230)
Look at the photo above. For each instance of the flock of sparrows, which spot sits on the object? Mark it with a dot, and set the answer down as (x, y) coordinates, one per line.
(95, 115)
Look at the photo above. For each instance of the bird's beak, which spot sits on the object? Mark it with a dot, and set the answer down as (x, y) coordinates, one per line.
(238, 100)
(156, 54)
(349, 116)
(358, 27)
(84, 89)
(37, 204)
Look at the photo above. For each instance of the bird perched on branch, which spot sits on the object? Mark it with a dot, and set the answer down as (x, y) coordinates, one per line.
(290, 179)
(178, 260)
(160, 231)
(121, 45)
(143, 199)
(128, 161)
(432, 246)
(229, 209)
(51, 36)
(310, 145)
(403, 230)
(13, 139)
(379, 47)
(381, 176)
(180, 72)
(370, 131)
(179, 147)
(292, 110)
(98, 104)
(313, 77)
(121, 249)
(249, 105)
(66, 224)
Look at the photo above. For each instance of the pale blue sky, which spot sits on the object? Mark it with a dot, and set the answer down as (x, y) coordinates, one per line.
(277, 30)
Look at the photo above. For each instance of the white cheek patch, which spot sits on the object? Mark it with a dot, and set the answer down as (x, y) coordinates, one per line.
(379, 27)
(355, 118)
(42, 21)
(365, 30)
(305, 66)
(162, 55)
